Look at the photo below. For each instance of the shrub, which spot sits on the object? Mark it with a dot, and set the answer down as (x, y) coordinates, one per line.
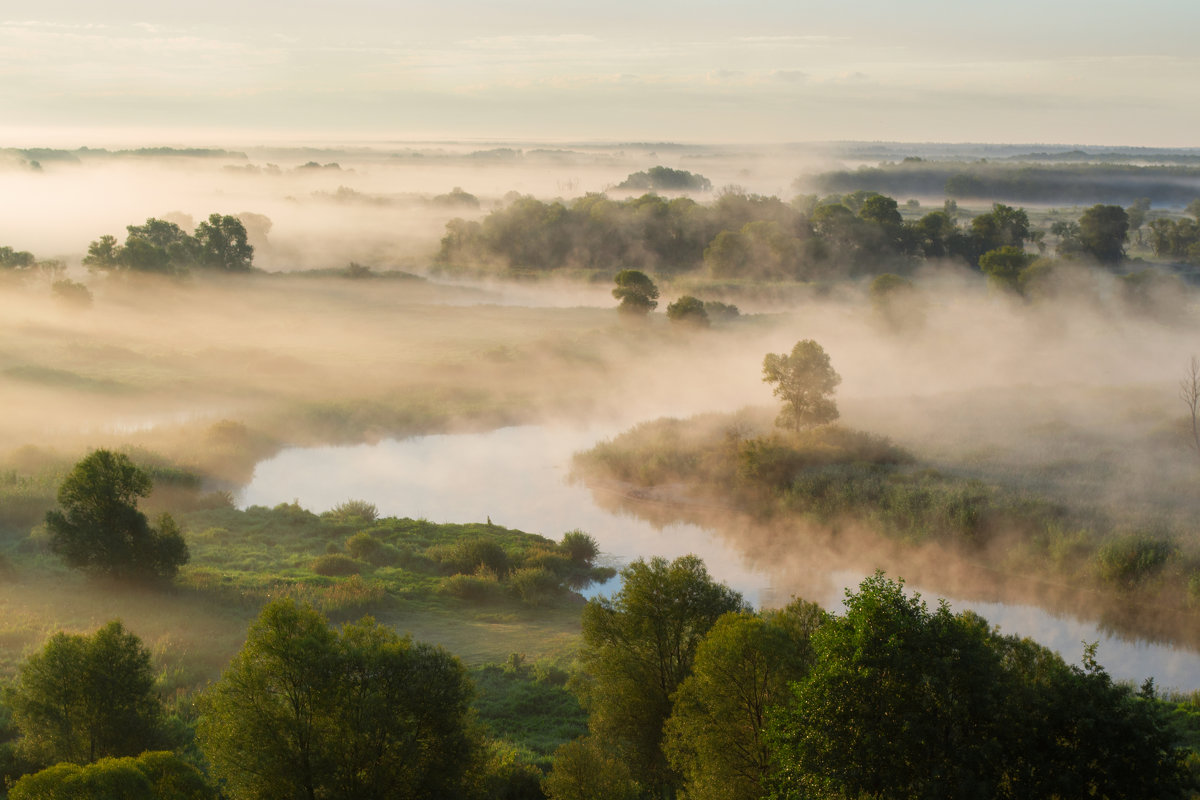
(579, 547)
(535, 585)
(366, 547)
(355, 511)
(1132, 559)
(477, 588)
(333, 565)
(469, 555)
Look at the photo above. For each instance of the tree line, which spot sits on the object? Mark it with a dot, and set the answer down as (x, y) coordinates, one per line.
(751, 237)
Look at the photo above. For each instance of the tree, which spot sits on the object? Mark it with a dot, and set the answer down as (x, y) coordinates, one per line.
(305, 712)
(584, 770)
(638, 647)
(688, 310)
(1003, 267)
(635, 290)
(154, 775)
(1102, 231)
(804, 380)
(100, 529)
(87, 697)
(221, 244)
(716, 736)
(1189, 393)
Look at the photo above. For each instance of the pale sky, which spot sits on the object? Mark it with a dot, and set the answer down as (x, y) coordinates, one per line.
(78, 72)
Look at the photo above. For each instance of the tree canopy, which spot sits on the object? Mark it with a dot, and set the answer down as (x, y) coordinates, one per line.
(87, 697)
(635, 290)
(306, 711)
(100, 528)
(805, 381)
(639, 646)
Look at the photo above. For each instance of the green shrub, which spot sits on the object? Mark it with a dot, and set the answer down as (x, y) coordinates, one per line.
(468, 555)
(336, 565)
(579, 547)
(1132, 559)
(535, 585)
(366, 547)
(352, 511)
(477, 588)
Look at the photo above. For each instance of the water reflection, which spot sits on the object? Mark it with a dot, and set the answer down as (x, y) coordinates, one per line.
(518, 477)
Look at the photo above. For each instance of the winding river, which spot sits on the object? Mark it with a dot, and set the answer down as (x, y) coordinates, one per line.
(518, 477)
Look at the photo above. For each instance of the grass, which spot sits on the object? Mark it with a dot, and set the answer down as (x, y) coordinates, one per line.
(834, 478)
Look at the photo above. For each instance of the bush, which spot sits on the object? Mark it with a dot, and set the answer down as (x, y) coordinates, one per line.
(480, 587)
(366, 547)
(354, 511)
(467, 556)
(535, 585)
(579, 547)
(334, 565)
(1132, 559)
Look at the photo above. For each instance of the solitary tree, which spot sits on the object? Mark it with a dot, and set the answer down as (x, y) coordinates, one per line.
(87, 697)
(804, 380)
(635, 290)
(100, 528)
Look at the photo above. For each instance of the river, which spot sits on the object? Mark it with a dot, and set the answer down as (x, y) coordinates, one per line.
(518, 477)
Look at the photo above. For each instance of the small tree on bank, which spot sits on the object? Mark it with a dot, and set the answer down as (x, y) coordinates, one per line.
(100, 528)
(804, 380)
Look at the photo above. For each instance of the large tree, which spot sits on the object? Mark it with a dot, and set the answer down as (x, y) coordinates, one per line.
(100, 528)
(87, 697)
(221, 243)
(305, 711)
(639, 645)
(1102, 232)
(805, 381)
(716, 736)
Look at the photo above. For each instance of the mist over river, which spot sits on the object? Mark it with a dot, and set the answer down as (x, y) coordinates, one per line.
(519, 477)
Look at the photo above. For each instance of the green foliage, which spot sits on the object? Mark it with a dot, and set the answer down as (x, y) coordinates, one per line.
(716, 735)
(336, 565)
(1130, 560)
(100, 529)
(365, 547)
(15, 259)
(580, 547)
(904, 702)
(804, 380)
(468, 555)
(153, 775)
(1003, 266)
(306, 711)
(666, 179)
(639, 645)
(688, 310)
(354, 512)
(87, 697)
(586, 770)
(635, 290)
(1102, 231)
(221, 244)
(528, 706)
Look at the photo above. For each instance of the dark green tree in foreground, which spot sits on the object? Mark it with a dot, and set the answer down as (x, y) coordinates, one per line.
(306, 712)
(82, 698)
(100, 529)
(635, 290)
(639, 646)
(153, 775)
(805, 381)
(904, 702)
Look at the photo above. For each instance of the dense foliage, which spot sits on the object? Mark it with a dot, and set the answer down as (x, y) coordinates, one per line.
(100, 528)
(161, 246)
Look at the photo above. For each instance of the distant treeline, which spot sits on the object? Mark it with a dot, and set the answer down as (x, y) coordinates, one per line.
(40, 154)
(1073, 184)
(739, 236)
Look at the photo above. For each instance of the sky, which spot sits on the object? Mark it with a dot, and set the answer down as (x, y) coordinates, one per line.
(76, 72)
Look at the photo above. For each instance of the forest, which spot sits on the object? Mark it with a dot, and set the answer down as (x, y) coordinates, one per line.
(352, 473)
